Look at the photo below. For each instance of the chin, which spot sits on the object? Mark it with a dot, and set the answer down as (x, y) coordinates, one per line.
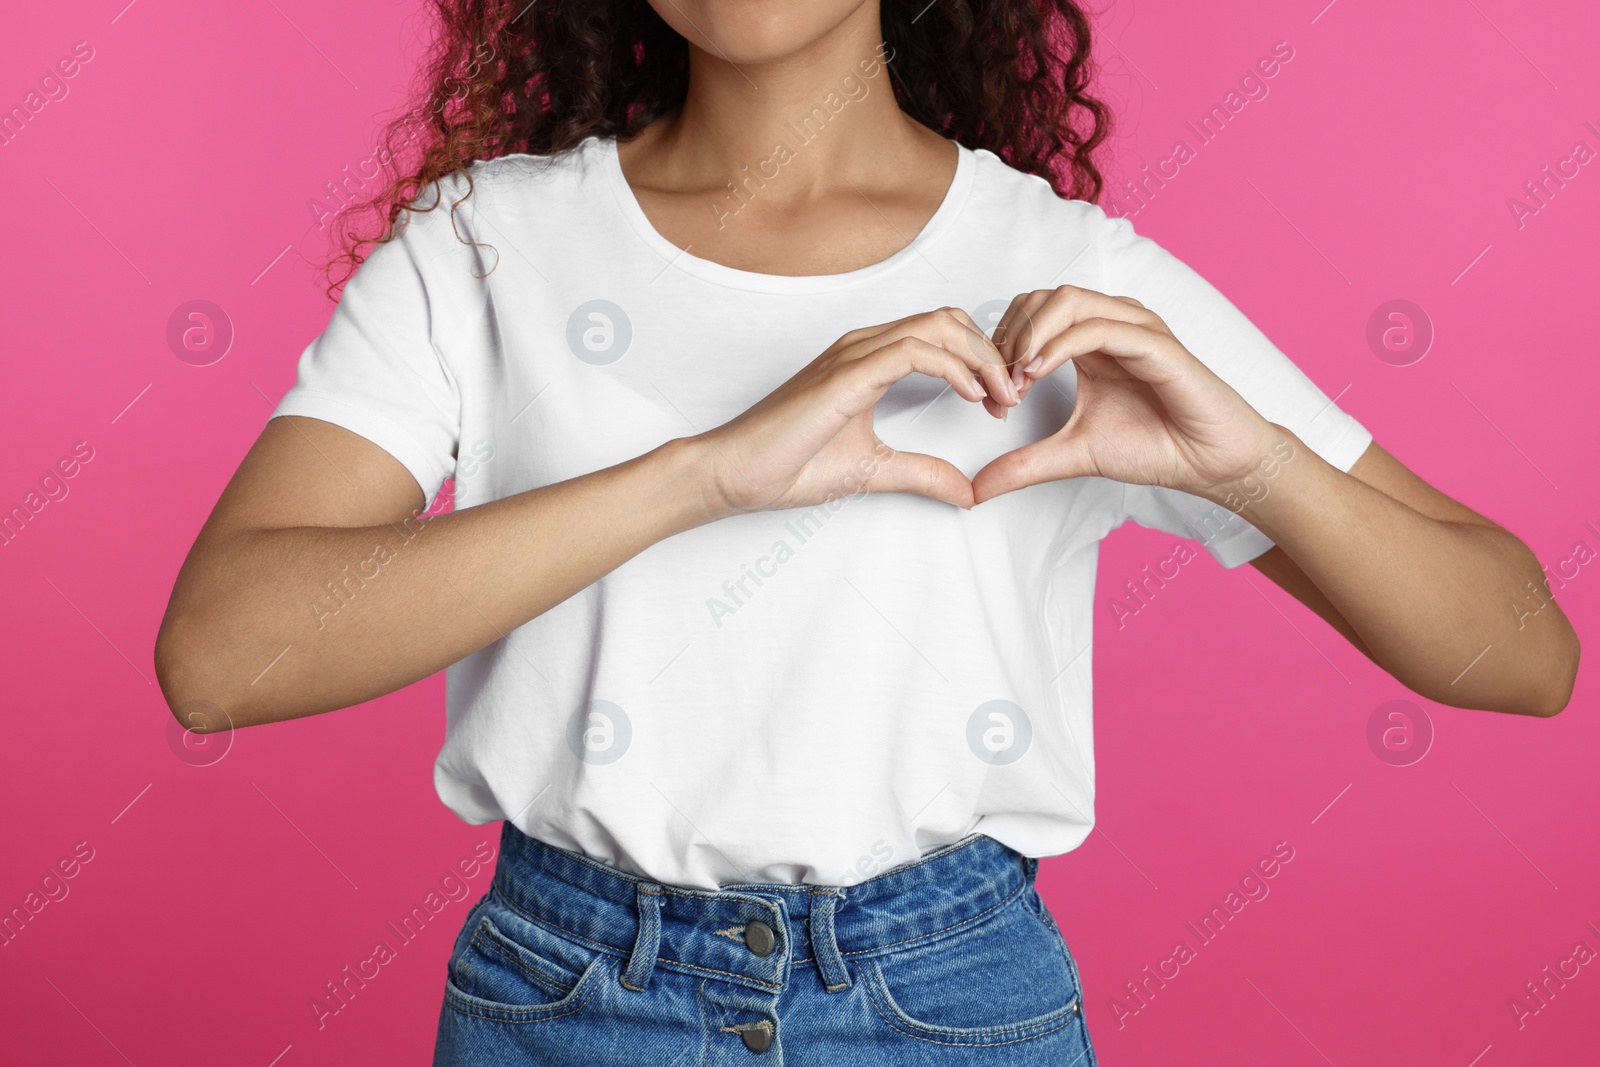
(758, 32)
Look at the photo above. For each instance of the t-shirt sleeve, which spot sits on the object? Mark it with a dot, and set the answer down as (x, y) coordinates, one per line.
(1221, 337)
(378, 368)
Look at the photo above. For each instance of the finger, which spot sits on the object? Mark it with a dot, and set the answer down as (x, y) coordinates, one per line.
(1139, 352)
(991, 362)
(997, 370)
(941, 326)
(953, 330)
(873, 374)
(1015, 330)
(913, 472)
(862, 333)
(1068, 305)
(1063, 455)
(1022, 328)
(1090, 364)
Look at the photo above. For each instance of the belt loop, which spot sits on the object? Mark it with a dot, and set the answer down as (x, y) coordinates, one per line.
(643, 961)
(1030, 868)
(823, 945)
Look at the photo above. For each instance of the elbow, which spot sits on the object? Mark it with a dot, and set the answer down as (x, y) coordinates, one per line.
(1563, 679)
(174, 664)
(190, 695)
(1551, 706)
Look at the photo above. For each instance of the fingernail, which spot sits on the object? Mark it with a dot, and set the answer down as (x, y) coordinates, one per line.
(979, 383)
(1034, 364)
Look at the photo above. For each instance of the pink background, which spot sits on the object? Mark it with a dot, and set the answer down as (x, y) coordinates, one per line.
(221, 898)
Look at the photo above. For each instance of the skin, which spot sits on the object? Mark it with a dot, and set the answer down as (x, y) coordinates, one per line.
(1418, 582)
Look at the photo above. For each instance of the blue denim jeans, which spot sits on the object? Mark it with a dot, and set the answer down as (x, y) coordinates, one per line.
(951, 959)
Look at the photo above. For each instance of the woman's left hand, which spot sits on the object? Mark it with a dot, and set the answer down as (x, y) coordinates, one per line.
(1147, 411)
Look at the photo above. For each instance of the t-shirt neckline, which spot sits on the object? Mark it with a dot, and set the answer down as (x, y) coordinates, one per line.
(732, 277)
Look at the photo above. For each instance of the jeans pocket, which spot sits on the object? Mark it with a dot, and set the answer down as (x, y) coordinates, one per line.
(1002, 981)
(509, 968)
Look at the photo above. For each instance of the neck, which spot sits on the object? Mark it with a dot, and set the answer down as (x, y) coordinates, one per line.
(825, 114)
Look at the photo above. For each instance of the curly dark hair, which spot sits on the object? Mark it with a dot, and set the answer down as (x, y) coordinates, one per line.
(504, 76)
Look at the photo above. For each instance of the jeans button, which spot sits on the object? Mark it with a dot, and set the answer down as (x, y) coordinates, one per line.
(760, 939)
(758, 1039)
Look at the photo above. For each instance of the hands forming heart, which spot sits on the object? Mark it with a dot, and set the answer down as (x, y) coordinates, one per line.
(1147, 411)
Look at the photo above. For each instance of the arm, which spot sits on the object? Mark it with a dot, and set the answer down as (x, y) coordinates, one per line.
(1451, 604)
(251, 628)
(1436, 594)
(256, 624)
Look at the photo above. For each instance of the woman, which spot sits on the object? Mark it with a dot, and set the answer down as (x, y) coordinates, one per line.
(789, 379)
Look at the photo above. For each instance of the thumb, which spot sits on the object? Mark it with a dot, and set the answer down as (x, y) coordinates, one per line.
(914, 472)
(1048, 460)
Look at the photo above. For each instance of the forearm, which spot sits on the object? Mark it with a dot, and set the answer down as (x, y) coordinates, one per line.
(308, 619)
(1458, 612)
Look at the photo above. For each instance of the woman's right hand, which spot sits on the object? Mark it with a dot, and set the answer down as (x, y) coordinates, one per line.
(812, 438)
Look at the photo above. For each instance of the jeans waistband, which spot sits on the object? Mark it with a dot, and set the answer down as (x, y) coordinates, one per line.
(700, 931)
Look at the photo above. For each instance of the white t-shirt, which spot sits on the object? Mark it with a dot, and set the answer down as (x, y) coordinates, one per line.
(810, 695)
